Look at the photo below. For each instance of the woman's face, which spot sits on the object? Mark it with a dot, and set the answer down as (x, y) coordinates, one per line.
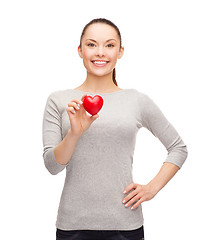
(100, 43)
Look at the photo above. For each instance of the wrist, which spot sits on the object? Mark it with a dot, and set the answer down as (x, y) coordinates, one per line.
(76, 136)
(154, 187)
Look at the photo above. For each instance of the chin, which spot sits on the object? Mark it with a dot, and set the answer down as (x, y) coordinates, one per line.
(100, 74)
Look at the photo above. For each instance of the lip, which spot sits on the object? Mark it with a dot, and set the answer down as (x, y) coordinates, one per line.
(100, 65)
(100, 60)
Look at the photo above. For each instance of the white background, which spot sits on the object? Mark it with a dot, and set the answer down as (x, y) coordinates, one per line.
(166, 56)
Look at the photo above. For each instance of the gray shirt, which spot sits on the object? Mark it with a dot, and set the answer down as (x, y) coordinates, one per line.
(101, 165)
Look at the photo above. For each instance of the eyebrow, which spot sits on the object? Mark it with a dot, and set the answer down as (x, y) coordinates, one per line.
(96, 41)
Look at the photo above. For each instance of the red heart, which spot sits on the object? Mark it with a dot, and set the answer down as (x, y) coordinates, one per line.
(93, 104)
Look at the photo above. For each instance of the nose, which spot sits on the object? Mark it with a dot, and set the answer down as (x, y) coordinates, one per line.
(100, 51)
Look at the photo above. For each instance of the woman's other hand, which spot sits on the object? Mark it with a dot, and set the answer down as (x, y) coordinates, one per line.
(139, 194)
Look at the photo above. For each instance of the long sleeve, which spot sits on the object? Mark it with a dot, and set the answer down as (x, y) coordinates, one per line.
(51, 133)
(154, 120)
(101, 165)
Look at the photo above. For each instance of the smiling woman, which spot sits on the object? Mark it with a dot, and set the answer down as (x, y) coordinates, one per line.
(100, 47)
(99, 199)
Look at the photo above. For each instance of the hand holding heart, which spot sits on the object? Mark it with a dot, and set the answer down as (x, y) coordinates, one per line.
(79, 119)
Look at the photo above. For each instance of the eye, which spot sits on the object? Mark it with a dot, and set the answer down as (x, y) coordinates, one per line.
(110, 45)
(91, 44)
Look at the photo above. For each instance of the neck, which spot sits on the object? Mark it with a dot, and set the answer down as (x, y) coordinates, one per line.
(95, 83)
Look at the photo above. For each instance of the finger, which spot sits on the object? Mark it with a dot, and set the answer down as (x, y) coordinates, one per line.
(83, 97)
(132, 197)
(129, 187)
(75, 105)
(133, 200)
(77, 101)
(140, 201)
(70, 110)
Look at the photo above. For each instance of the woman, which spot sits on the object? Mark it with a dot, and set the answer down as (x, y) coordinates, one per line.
(99, 198)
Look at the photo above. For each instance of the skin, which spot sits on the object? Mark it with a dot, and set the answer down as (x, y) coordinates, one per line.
(99, 80)
(147, 192)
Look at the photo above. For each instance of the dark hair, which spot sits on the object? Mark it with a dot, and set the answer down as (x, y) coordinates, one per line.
(108, 22)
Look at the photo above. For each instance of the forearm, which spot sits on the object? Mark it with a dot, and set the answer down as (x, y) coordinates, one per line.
(167, 171)
(64, 150)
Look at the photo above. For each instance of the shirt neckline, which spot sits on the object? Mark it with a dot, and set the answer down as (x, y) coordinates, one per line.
(97, 93)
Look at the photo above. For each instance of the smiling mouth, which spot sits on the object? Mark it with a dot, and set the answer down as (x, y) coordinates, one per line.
(100, 63)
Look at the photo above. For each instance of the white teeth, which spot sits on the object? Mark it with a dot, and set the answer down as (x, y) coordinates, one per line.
(99, 62)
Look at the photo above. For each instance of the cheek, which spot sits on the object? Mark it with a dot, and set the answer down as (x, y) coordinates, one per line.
(114, 55)
(113, 58)
(88, 54)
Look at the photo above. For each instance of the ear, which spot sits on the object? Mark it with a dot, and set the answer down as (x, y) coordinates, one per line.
(121, 52)
(80, 51)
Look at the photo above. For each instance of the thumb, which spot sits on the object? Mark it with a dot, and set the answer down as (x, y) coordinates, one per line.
(94, 117)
